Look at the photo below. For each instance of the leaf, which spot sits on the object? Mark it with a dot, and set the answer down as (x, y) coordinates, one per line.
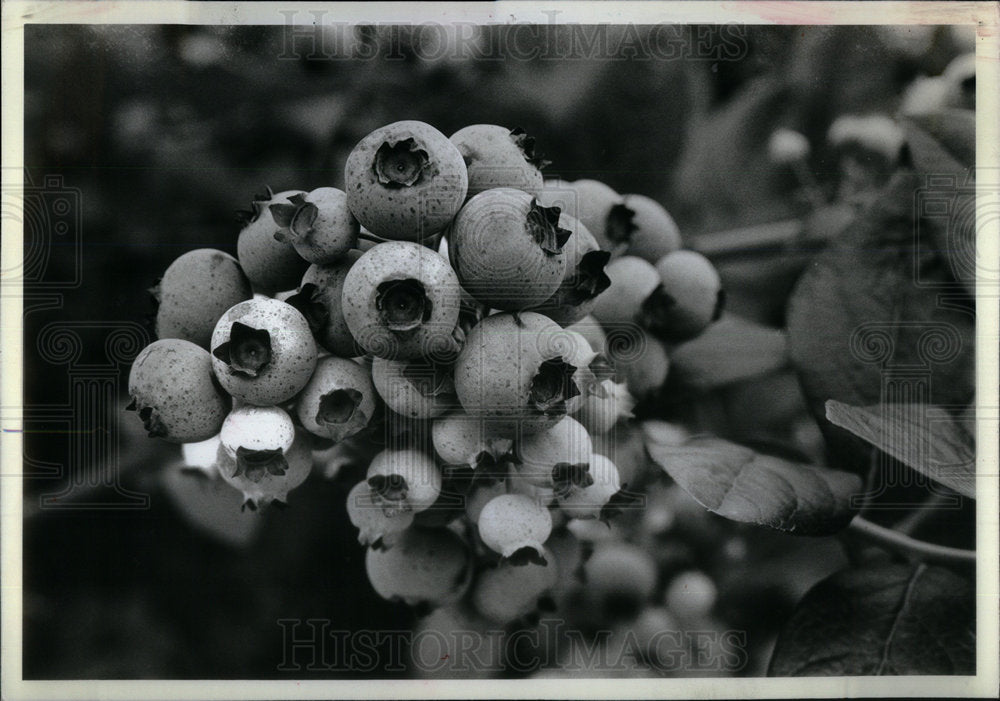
(729, 351)
(886, 619)
(860, 327)
(924, 437)
(742, 485)
(942, 143)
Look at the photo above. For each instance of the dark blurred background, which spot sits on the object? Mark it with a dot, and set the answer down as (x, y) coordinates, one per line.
(165, 131)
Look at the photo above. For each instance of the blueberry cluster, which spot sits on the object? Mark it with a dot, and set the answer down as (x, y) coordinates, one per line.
(475, 331)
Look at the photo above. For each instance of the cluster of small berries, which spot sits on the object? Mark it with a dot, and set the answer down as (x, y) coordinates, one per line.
(475, 331)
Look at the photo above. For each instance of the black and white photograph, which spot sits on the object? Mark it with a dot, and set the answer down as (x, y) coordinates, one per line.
(461, 350)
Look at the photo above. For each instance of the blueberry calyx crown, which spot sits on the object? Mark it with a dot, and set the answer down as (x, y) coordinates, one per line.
(529, 554)
(590, 279)
(720, 305)
(390, 491)
(618, 502)
(654, 311)
(543, 227)
(296, 217)
(567, 478)
(402, 304)
(150, 419)
(527, 145)
(255, 464)
(603, 370)
(249, 216)
(487, 470)
(620, 224)
(339, 407)
(308, 302)
(248, 350)
(552, 386)
(400, 164)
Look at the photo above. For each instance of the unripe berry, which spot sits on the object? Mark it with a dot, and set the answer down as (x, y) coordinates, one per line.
(620, 576)
(691, 281)
(375, 528)
(402, 300)
(499, 157)
(460, 439)
(195, 291)
(654, 232)
(404, 480)
(255, 429)
(691, 595)
(174, 392)
(339, 399)
(424, 567)
(417, 388)
(318, 224)
(557, 458)
(513, 369)
(320, 300)
(265, 475)
(507, 592)
(263, 351)
(590, 501)
(405, 181)
(515, 526)
(271, 265)
(507, 250)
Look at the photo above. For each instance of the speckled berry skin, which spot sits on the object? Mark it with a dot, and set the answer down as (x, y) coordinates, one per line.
(405, 181)
(266, 487)
(496, 368)
(507, 592)
(320, 299)
(495, 157)
(512, 522)
(291, 350)
(270, 265)
(195, 291)
(430, 567)
(505, 251)
(319, 224)
(394, 262)
(174, 394)
(655, 232)
(694, 285)
(339, 399)
(414, 388)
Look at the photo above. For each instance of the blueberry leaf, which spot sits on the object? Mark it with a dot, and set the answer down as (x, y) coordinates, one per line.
(742, 485)
(868, 308)
(926, 438)
(883, 619)
(943, 145)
